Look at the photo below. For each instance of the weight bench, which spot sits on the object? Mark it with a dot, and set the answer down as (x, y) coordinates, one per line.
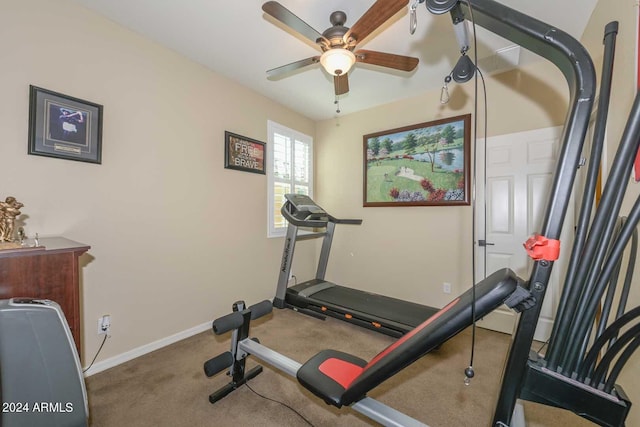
(342, 379)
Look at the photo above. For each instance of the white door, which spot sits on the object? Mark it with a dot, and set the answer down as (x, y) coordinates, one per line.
(519, 175)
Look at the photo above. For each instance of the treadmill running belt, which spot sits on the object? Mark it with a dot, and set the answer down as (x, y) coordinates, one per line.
(379, 306)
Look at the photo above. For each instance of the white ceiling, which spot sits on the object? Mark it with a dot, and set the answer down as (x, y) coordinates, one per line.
(237, 40)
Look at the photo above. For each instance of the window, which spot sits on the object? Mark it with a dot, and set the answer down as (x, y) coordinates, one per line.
(289, 170)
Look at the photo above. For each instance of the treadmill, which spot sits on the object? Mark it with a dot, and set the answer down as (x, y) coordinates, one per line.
(319, 297)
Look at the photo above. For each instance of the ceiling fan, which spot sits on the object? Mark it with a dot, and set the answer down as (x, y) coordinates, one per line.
(338, 42)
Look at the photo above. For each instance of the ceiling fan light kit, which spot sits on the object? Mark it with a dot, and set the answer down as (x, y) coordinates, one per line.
(337, 61)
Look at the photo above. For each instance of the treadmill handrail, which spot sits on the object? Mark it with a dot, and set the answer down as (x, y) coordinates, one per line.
(345, 221)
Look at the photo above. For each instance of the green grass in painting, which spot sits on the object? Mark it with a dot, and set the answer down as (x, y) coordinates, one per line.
(379, 186)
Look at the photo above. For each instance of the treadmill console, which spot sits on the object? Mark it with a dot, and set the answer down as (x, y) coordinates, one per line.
(300, 210)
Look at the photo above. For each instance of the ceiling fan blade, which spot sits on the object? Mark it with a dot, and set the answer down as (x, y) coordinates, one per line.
(279, 71)
(389, 60)
(377, 15)
(341, 84)
(284, 15)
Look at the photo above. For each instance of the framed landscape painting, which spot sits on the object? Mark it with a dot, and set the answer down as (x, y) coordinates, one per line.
(420, 165)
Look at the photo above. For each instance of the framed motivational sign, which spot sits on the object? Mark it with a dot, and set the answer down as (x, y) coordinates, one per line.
(243, 153)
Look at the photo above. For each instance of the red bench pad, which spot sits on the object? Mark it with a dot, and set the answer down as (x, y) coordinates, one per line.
(328, 374)
(341, 379)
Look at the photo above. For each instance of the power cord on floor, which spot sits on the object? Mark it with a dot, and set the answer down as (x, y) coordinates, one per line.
(281, 403)
(97, 353)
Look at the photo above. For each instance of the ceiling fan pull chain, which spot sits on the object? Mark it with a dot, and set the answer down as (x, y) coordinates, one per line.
(337, 102)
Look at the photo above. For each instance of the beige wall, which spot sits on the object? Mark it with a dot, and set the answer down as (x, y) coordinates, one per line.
(175, 237)
(408, 252)
(393, 250)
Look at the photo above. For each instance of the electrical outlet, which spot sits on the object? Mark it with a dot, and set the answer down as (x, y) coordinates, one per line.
(104, 325)
(446, 288)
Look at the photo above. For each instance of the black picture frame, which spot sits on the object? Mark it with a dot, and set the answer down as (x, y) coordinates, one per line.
(426, 164)
(64, 127)
(244, 154)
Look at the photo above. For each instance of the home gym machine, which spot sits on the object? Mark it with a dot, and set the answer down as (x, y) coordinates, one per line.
(319, 297)
(586, 351)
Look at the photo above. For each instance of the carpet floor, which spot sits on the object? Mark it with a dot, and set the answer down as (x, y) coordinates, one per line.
(168, 387)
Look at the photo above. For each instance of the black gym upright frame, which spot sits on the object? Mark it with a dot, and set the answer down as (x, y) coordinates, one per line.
(553, 379)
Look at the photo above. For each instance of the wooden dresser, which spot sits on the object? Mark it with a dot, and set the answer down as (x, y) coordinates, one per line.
(49, 272)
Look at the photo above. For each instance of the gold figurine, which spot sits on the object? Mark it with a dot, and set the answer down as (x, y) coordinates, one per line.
(9, 210)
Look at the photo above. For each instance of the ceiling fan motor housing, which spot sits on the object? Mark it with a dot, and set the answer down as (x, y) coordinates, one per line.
(335, 34)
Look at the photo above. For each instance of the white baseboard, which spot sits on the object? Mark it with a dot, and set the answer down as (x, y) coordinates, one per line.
(147, 348)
